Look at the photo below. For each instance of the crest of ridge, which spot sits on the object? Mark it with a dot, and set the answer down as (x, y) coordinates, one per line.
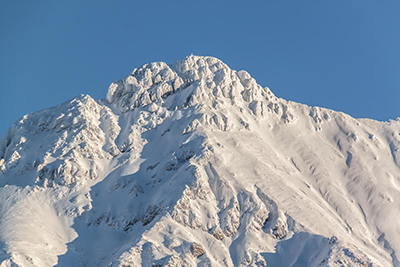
(197, 77)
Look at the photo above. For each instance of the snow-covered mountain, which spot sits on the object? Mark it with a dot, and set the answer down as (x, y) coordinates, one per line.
(195, 164)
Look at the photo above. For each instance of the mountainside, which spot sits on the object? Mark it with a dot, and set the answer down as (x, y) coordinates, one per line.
(195, 164)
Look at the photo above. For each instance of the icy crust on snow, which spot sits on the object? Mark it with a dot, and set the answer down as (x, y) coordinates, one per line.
(195, 164)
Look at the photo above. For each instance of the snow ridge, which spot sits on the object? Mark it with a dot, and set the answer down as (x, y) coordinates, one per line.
(196, 79)
(195, 164)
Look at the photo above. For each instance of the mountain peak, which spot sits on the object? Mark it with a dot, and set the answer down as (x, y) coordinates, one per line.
(191, 77)
(195, 164)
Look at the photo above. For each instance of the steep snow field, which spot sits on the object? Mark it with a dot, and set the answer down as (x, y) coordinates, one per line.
(195, 164)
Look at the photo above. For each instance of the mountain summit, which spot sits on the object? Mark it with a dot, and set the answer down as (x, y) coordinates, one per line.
(195, 164)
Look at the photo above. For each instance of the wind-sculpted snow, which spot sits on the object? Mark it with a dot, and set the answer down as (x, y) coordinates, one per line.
(195, 164)
(62, 145)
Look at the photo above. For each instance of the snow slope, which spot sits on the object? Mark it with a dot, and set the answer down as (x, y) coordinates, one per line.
(195, 164)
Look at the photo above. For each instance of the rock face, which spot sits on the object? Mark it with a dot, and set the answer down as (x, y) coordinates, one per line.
(195, 164)
(197, 250)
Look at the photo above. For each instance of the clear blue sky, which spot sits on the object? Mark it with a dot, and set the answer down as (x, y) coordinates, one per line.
(343, 55)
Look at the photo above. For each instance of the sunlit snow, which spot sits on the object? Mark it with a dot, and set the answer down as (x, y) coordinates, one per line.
(195, 164)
